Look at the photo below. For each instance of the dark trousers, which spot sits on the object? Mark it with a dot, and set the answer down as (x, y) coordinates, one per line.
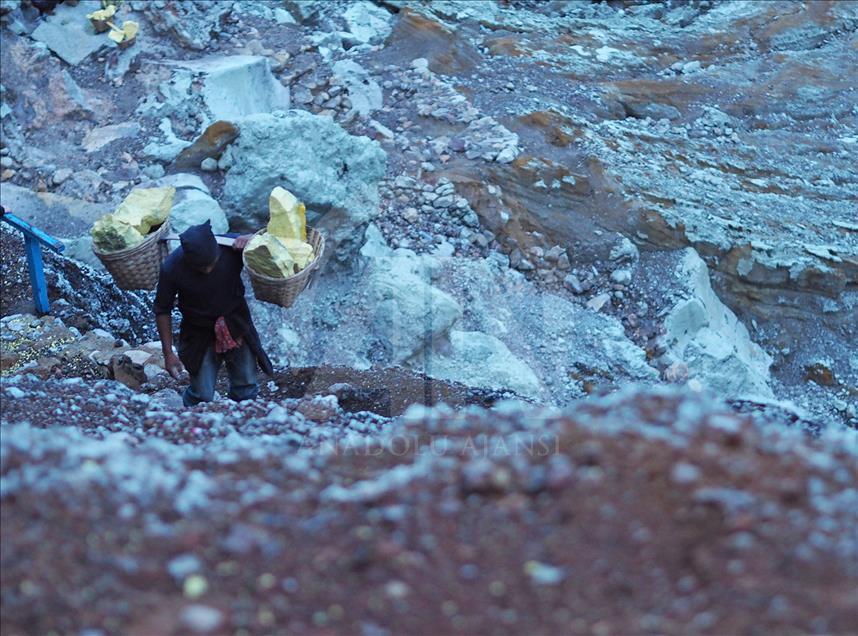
(241, 366)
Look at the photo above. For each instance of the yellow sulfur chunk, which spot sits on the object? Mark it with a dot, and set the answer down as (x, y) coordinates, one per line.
(142, 210)
(300, 251)
(277, 258)
(128, 31)
(102, 14)
(145, 208)
(111, 235)
(268, 256)
(288, 217)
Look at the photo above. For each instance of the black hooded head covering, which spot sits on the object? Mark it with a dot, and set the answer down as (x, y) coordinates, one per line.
(199, 245)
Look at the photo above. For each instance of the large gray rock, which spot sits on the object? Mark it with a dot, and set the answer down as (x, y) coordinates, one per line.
(334, 173)
(236, 85)
(408, 315)
(388, 314)
(703, 333)
(80, 249)
(69, 34)
(193, 204)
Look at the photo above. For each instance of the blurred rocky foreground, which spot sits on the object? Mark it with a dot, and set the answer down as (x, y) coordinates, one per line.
(580, 360)
(648, 511)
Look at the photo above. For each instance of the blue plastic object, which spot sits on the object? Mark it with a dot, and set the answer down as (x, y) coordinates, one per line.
(34, 238)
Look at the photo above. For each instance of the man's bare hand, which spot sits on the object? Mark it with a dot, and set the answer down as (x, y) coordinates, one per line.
(241, 241)
(173, 365)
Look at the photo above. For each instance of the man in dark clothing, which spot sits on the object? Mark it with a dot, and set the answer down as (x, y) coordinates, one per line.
(216, 323)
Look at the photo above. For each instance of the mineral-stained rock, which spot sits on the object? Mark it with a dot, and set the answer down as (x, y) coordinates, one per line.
(210, 144)
(418, 36)
(300, 250)
(282, 250)
(110, 235)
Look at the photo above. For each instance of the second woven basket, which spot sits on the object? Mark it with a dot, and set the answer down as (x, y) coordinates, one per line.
(284, 291)
(137, 267)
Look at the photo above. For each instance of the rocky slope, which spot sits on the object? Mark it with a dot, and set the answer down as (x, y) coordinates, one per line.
(580, 357)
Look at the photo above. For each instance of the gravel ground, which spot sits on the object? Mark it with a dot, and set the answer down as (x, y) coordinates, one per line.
(643, 512)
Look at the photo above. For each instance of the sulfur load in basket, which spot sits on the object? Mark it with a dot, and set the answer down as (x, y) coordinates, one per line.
(127, 241)
(287, 215)
(281, 259)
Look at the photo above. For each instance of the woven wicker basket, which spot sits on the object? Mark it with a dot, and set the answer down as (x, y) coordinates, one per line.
(284, 291)
(137, 267)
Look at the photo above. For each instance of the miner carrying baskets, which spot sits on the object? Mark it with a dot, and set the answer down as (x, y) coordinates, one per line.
(204, 274)
(216, 324)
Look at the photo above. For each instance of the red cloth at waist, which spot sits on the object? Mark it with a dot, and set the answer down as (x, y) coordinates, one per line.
(223, 339)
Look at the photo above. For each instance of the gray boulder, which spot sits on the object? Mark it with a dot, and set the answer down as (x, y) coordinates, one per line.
(80, 249)
(407, 312)
(334, 173)
(68, 33)
(193, 204)
(192, 207)
(388, 312)
(236, 85)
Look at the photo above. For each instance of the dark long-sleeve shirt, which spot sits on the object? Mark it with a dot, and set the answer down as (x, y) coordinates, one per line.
(202, 299)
